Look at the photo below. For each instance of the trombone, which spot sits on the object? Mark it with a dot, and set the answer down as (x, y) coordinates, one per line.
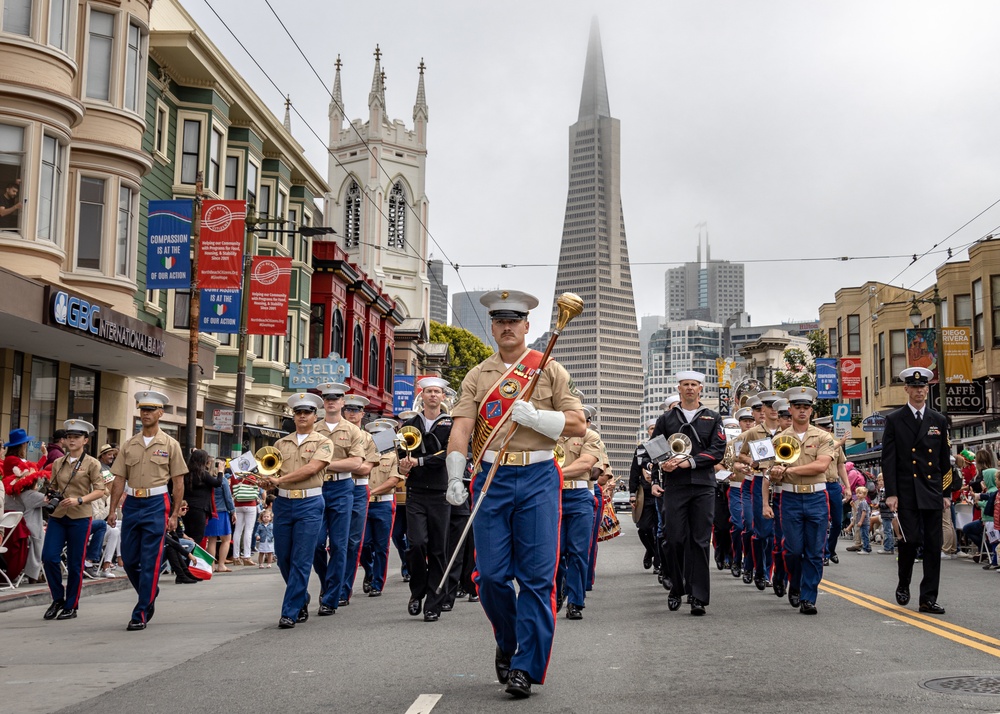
(409, 437)
(268, 461)
(787, 449)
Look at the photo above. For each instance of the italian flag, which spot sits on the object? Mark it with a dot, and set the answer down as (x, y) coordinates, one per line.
(202, 566)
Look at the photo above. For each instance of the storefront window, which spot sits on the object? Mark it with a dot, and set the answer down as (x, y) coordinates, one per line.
(83, 390)
(41, 404)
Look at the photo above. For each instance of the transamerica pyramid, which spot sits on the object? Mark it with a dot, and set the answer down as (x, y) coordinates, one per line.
(600, 348)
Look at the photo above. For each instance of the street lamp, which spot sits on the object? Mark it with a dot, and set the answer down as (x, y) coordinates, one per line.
(915, 318)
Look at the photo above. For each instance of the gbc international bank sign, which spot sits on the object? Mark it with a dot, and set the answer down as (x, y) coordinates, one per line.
(78, 314)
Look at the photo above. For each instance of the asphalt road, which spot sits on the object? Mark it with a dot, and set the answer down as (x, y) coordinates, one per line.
(215, 647)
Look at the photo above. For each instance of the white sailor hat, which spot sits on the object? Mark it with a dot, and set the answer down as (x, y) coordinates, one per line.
(589, 412)
(408, 414)
(916, 376)
(801, 395)
(433, 382)
(332, 390)
(303, 401)
(781, 406)
(692, 375)
(508, 304)
(754, 402)
(744, 413)
(650, 423)
(356, 400)
(151, 400)
(373, 427)
(78, 426)
(671, 401)
(769, 395)
(730, 422)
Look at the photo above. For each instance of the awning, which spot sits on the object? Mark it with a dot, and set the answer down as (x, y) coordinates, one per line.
(264, 431)
(868, 456)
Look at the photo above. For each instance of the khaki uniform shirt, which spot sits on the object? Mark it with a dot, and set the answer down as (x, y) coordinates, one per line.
(576, 446)
(149, 466)
(347, 441)
(818, 442)
(371, 454)
(554, 391)
(89, 477)
(387, 468)
(401, 490)
(295, 455)
(756, 433)
(833, 473)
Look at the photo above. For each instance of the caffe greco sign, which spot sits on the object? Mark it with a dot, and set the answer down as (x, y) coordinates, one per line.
(78, 314)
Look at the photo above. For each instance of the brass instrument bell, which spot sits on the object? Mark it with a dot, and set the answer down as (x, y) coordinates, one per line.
(787, 449)
(680, 446)
(268, 460)
(409, 438)
(559, 454)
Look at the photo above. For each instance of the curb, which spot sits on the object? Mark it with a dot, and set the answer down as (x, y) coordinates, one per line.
(24, 597)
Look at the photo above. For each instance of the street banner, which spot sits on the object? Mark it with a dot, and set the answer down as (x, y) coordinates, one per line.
(957, 355)
(921, 349)
(202, 566)
(220, 245)
(220, 311)
(850, 378)
(403, 386)
(168, 245)
(827, 385)
(270, 281)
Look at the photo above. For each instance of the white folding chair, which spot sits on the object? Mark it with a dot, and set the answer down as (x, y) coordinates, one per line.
(7, 524)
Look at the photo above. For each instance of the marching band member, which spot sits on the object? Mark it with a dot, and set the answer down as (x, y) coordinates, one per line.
(381, 512)
(756, 408)
(689, 492)
(330, 557)
(603, 478)
(803, 501)
(517, 529)
(427, 511)
(763, 527)
(656, 489)
(354, 411)
(772, 510)
(740, 471)
(77, 480)
(722, 520)
(580, 455)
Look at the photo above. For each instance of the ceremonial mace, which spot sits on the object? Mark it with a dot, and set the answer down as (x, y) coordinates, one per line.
(570, 306)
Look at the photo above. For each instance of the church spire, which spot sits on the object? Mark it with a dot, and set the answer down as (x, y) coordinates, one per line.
(594, 98)
(337, 103)
(288, 115)
(377, 93)
(420, 106)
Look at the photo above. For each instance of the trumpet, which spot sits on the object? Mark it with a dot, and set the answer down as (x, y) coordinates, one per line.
(559, 454)
(680, 446)
(268, 460)
(409, 438)
(787, 449)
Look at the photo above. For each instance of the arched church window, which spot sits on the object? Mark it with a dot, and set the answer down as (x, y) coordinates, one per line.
(352, 216)
(397, 216)
(337, 333)
(357, 368)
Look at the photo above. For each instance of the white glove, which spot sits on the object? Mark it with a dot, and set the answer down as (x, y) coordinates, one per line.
(546, 423)
(457, 493)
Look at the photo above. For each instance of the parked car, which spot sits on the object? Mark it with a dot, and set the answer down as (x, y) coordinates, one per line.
(621, 501)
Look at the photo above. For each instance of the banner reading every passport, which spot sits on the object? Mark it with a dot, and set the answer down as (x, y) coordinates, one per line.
(220, 245)
(168, 239)
(270, 280)
(957, 355)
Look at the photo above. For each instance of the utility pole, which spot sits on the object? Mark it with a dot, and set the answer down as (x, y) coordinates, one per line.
(241, 360)
(194, 316)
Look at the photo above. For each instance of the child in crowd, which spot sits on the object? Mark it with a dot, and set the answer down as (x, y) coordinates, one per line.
(861, 521)
(265, 539)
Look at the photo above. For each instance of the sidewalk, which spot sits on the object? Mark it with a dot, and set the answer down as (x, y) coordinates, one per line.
(28, 595)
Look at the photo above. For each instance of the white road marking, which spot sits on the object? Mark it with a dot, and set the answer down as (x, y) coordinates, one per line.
(424, 704)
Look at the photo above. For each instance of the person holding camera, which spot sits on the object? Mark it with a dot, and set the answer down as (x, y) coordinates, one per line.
(76, 482)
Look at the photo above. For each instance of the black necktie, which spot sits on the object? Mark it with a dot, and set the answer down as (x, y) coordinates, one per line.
(917, 415)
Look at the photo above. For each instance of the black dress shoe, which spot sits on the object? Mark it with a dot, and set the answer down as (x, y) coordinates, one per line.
(807, 608)
(779, 588)
(930, 606)
(793, 597)
(518, 686)
(286, 623)
(326, 610)
(834, 558)
(303, 613)
(344, 602)
(667, 584)
(406, 577)
(135, 625)
(366, 584)
(375, 593)
(413, 607)
(673, 603)
(720, 563)
(53, 610)
(460, 594)
(473, 598)
(431, 616)
(656, 570)
(502, 664)
(445, 607)
(573, 612)
(903, 595)
(760, 583)
(826, 562)
(736, 571)
(697, 607)
(647, 561)
(70, 613)
(747, 577)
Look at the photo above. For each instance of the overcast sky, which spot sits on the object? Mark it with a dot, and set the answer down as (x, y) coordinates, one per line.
(794, 130)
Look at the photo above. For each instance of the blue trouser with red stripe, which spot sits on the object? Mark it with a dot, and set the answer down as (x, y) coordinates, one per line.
(144, 528)
(359, 515)
(297, 525)
(71, 533)
(746, 499)
(763, 532)
(517, 537)
(804, 518)
(575, 543)
(736, 520)
(375, 551)
(331, 548)
(598, 514)
(780, 573)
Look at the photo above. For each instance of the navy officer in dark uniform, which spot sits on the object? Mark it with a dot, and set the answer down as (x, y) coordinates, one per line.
(916, 468)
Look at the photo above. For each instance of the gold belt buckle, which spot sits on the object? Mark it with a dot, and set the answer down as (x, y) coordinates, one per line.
(140, 492)
(804, 488)
(567, 484)
(296, 493)
(513, 458)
